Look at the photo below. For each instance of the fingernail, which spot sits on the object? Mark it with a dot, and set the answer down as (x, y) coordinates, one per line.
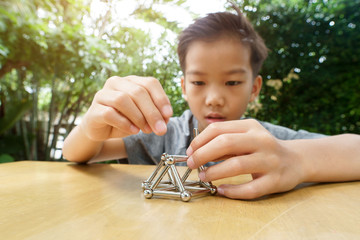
(189, 151)
(220, 191)
(202, 176)
(190, 162)
(160, 127)
(167, 111)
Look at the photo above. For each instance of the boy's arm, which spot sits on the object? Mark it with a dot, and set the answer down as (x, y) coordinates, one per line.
(330, 159)
(79, 148)
(276, 165)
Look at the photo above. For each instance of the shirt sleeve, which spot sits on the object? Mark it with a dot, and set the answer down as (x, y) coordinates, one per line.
(144, 148)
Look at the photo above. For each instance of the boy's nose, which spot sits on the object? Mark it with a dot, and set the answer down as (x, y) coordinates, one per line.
(214, 97)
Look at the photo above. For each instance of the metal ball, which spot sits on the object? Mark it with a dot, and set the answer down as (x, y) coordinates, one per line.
(144, 185)
(170, 161)
(213, 190)
(185, 196)
(148, 193)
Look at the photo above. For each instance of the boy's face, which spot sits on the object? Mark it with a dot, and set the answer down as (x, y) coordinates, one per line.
(218, 82)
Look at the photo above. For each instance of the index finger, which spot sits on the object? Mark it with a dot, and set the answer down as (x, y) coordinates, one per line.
(148, 96)
(157, 94)
(223, 147)
(216, 129)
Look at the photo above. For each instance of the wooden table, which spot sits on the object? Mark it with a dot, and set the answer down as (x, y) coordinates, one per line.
(59, 200)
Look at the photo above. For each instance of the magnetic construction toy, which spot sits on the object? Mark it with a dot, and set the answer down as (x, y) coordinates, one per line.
(175, 186)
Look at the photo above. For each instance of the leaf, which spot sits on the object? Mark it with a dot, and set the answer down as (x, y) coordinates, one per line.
(4, 51)
(16, 111)
(4, 158)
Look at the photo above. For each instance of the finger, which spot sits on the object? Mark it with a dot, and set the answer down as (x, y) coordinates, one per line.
(225, 145)
(157, 94)
(124, 105)
(250, 190)
(114, 119)
(216, 129)
(151, 113)
(141, 96)
(231, 167)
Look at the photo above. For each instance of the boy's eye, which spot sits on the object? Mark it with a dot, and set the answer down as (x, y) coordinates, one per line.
(198, 83)
(232, 83)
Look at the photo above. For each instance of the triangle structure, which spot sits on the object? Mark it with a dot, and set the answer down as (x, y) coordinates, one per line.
(176, 186)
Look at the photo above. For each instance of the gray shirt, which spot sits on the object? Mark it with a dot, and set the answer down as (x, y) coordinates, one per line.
(148, 148)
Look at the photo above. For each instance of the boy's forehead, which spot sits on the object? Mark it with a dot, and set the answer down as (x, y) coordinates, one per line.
(224, 55)
(236, 70)
(219, 40)
(219, 47)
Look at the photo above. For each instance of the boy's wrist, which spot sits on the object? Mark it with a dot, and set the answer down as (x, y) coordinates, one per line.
(298, 154)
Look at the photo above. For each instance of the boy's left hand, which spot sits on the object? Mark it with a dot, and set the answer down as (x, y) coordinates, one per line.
(246, 148)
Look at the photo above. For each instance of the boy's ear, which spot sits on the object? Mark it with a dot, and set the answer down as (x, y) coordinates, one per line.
(255, 91)
(183, 88)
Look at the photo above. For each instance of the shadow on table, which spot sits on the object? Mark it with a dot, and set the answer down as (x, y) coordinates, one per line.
(110, 174)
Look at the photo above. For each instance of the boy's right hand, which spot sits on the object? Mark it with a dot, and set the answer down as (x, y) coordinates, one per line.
(124, 106)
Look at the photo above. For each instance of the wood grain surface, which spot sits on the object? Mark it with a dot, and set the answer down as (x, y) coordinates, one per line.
(60, 200)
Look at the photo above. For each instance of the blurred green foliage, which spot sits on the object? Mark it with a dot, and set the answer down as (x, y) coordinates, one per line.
(52, 61)
(320, 41)
(54, 56)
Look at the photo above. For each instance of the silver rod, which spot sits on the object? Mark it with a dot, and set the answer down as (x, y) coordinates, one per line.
(177, 178)
(171, 177)
(167, 183)
(206, 184)
(157, 181)
(179, 158)
(191, 183)
(166, 188)
(160, 164)
(200, 193)
(186, 175)
(196, 132)
(166, 193)
(195, 188)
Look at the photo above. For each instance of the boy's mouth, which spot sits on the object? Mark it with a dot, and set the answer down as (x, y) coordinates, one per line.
(214, 117)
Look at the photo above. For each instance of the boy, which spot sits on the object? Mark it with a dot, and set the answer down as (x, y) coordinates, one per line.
(220, 56)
